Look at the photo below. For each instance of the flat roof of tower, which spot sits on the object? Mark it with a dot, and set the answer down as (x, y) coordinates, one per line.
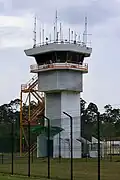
(59, 46)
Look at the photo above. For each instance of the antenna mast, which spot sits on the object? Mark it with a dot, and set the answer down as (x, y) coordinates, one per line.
(79, 38)
(60, 32)
(50, 37)
(40, 36)
(54, 32)
(75, 35)
(43, 36)
(69, 34)
(85, 32)
(34, 32)
(56, 25)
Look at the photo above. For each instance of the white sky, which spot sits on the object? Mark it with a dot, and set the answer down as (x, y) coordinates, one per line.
(101, 84)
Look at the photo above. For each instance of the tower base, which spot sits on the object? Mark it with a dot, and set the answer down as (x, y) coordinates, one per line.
(55, 105)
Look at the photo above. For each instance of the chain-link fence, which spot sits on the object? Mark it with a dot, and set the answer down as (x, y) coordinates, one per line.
(58, 155)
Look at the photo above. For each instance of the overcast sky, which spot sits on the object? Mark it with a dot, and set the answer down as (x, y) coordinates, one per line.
(102, 83)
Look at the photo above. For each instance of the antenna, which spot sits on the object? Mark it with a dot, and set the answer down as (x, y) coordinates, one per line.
(56, 24)
(57, 36)
(75, 35)
(69, 34)
(79, 38)
(40, 35)
(46, 40)
(60, 32)
(43, 36)
(50, 37)
(34, 32)
(54, 32)
(85, 32)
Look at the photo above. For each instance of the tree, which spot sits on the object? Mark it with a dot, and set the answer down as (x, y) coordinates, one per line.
(88, 120)
(82, 105)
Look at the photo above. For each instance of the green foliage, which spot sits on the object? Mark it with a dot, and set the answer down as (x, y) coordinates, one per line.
(109, 119)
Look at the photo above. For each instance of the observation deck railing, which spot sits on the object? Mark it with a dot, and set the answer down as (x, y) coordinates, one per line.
(45, 67)
(64, 41)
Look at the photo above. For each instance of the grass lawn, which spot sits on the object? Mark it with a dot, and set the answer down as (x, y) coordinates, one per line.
(7, 177)
(61, 170)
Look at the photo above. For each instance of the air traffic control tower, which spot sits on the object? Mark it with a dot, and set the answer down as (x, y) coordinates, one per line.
(60, 68)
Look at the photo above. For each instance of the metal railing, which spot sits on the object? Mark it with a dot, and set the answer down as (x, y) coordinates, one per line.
(64, 41)
(35, 67)
(30, 83)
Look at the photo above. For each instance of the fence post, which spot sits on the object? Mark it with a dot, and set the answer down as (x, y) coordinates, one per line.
(59, 147)
(28, 148)
(32, 155)
(29, 138)
(12, 144)
(71, 138)
(48, 149)
(48, 145)
(98, 123)
(110, 150)
(2, 157)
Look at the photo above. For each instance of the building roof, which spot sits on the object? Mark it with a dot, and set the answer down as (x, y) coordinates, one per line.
(78, 48)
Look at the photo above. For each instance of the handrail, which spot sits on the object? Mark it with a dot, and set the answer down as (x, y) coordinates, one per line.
(32, 79)
(59, 65)
(35, 112)
(32, 149)
(30, 83)
(34, 116)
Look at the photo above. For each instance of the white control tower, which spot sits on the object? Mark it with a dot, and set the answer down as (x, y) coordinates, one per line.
(60, 69)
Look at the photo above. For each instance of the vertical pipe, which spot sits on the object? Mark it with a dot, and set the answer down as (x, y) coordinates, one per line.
(113, 148)
(29, 139)
(75, 35)
(21, 123)
(57, 36)
(32, 155)
(40, 35)
(98, 123)
(69, 35)
(48, 148)
(86, 30)
(2, 158)
(60, 33)
(12, 138)
(86, 151)
(50, 37)
(56, 24)
(71, 148)
(79, 38)
(43, 36)
(48, 145)
(110, 150)
(71, 139)
(34, 32)
(85, 33)
(59, 147)
(54, 33)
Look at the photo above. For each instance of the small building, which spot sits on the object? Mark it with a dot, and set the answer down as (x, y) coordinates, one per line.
(93, 148)
(112, 147)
